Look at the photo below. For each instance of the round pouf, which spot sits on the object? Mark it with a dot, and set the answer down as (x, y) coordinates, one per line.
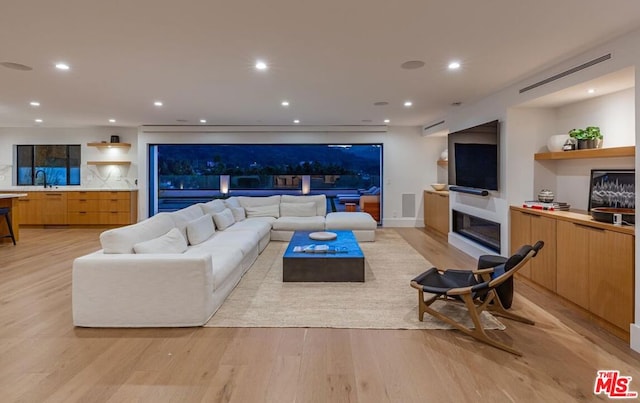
(323, 236)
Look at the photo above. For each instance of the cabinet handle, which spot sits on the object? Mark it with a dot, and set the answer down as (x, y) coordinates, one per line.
(82, 212)
(114, 200)
(53, 194)
(83, 200)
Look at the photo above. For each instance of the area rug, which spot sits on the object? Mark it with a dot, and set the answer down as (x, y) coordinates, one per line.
(384, 301)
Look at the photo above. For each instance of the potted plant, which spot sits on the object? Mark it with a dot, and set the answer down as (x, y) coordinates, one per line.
(589, 137)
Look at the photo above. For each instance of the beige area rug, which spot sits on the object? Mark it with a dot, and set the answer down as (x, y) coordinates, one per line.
(384, 301)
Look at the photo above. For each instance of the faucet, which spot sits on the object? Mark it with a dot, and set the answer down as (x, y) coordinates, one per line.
(44, 174)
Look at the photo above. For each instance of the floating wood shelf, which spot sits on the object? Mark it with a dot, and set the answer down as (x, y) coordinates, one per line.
(109, 145)
(443, 163)
(108, 162)
(629, 151)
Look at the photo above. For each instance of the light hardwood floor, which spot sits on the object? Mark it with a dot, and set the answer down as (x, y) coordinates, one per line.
(43, 358)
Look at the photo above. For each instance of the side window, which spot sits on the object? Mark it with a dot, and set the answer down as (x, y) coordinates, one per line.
(59, 164)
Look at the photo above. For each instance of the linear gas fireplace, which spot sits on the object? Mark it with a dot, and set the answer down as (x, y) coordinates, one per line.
(484, 232)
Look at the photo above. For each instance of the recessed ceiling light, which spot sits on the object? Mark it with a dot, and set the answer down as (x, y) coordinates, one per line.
(112, 121)
(62, 66)
(38, 120)
(381, 103)
(16, 66)
(34, 103)
(260, 65)
(203, 120)
(284, 103)
(296, 121)
(454, 65)
(412, 64)
(387, 121)
(157, 103)
(408, 104)
(591, 90)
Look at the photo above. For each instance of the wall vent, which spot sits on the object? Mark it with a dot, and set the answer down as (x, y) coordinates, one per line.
(437, 128)
(408, 205)
(567, 72)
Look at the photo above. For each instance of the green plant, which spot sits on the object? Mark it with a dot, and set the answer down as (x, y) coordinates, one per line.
(590, 133)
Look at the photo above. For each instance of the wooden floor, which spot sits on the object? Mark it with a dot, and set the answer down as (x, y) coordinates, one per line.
(43, 358)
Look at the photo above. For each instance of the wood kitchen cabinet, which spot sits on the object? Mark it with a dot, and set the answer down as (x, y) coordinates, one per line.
(110, 208)
(527, 229)
(436, 210)
(594, 262)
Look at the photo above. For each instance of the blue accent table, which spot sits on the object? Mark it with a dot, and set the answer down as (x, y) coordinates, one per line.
(345, 265)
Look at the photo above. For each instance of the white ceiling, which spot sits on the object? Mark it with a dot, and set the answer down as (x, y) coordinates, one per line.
(331, 59)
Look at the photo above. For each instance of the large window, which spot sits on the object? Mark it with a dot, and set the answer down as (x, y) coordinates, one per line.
(183, 174)
(57, 164)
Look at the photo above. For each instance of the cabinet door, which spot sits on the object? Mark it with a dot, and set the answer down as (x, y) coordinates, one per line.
(441, 219)
(611, 258)
(429, 213)
(521, 235)
(573, 262)
(543, 267)
(55, 208)
(31, 209)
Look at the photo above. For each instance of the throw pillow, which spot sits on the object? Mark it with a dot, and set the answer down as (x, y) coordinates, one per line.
(212, 207)
(200, 229)
(298, 209)
(238, 213)
(171, 242)
(223, 219)
(263, 211)
(232, 202)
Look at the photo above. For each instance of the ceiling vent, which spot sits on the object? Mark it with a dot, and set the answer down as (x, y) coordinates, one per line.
(567, 72)
(435, 129)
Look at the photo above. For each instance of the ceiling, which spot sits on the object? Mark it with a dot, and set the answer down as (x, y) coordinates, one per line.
(332, 60)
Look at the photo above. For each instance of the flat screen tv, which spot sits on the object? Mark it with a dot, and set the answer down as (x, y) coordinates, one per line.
(474, 156)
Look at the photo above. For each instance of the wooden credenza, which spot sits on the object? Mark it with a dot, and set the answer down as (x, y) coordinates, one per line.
(436, 210)
(91, 207)
(584, 261)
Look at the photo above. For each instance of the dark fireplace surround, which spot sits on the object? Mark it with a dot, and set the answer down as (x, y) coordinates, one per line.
(479, 230)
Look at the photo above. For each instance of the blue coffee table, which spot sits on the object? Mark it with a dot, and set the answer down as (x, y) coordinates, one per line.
(346, 265)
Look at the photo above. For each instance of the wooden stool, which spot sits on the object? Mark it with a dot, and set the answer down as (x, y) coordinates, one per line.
(5, 211)
(350, 207)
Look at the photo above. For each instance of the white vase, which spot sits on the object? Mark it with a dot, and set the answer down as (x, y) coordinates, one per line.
(555, 142)
(445, 155)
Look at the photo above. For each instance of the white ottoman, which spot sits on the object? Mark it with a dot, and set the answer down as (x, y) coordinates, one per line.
(362, 224)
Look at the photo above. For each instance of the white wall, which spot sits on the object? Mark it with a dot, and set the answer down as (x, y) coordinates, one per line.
(409, 160)
(111, 177)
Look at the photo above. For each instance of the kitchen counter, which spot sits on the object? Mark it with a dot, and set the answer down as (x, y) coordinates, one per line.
(62, 189)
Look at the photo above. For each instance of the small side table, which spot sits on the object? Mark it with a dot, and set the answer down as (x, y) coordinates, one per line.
(350, 207)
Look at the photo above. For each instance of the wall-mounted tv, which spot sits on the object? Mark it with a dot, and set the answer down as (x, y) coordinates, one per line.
(474, 155)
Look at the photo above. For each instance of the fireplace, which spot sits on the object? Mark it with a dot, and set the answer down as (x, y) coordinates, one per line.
(479, 230)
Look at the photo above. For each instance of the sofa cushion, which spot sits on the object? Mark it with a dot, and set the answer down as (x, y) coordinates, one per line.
(350, 221)
(238, 213)
(121, 240)
(319, 200)
(258, 225)
(232, 202)
(263, 211)
(214, 206)
(223, 219)
(171, 242)
(246, 201)
(298, 209)
(182, 217)
(315, 223)
(200, 229)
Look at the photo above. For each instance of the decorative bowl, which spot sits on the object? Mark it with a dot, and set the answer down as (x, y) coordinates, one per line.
(605, 214)
(546, 196)
(439, 186)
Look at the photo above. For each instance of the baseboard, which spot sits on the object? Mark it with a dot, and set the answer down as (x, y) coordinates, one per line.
(635, 337)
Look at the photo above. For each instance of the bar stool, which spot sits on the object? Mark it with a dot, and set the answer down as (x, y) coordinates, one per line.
(4, 211)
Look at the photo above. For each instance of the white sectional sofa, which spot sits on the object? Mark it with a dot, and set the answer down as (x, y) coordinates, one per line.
(176, 269)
